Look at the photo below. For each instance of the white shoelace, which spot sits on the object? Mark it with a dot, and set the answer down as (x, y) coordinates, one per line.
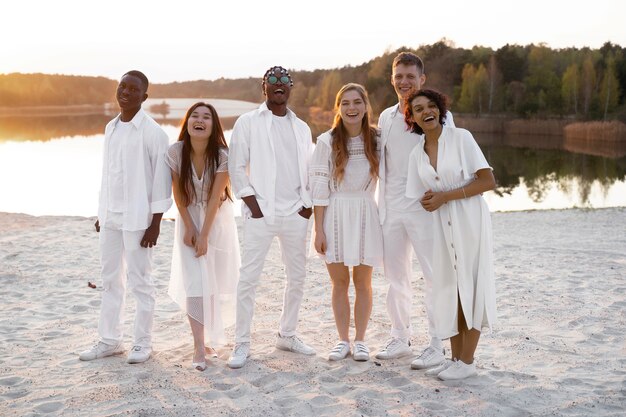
(392, 343)
(428, 353)
(238, 349)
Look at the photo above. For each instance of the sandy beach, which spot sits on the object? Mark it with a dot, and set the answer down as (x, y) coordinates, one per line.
(559, 347)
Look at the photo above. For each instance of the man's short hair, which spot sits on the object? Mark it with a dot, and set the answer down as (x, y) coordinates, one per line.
(409, 58)
(141, 76)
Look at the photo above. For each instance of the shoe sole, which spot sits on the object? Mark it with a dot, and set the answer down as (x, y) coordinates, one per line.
(294, 351)
(134, 361)
(100, 357)
(403, 355)
(413, 366)
(232, 366)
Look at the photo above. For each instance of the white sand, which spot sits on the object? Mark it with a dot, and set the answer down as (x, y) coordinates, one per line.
(559, 347)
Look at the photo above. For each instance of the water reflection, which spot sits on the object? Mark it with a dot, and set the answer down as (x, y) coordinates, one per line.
(52, 165)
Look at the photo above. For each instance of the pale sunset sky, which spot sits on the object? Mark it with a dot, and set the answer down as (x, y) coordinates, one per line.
(188, 40)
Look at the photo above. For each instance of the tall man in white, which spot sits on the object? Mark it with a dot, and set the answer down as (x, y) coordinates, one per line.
(404, 221)
(268, 164)
(135, 192)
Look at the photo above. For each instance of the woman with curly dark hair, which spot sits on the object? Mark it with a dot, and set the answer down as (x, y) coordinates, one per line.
(205, 259)
(449, 173)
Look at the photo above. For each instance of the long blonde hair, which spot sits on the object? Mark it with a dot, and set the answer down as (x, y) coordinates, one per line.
(340, 134)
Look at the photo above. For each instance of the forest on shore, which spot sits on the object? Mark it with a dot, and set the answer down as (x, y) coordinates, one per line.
(531, 81)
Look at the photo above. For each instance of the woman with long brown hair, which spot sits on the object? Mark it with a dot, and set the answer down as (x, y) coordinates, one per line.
(205, 260)
(343, 178)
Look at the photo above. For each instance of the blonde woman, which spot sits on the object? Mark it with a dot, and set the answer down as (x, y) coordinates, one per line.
(343, 177)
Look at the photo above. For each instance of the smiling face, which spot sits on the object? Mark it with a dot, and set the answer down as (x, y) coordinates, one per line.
(406, 79)
(276, 94)
(131, 92)
(352, 108)
(200, 123)
(425, 113)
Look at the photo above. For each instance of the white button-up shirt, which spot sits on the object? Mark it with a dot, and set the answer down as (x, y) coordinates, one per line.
(147, 182)
(252, 159)
(391, 123)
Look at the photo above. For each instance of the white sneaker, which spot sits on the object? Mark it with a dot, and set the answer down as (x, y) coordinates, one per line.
(458, 370)
(238, 357)
(139, 354)
(340, 351)
(430, 357)
(395, 348)
(293, 344)
(361, 352)
(101, 350)
(439, 368)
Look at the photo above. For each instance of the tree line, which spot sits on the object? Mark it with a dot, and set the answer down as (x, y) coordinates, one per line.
(520, 81)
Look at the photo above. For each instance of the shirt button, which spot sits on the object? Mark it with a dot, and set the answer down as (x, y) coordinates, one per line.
(449, 223)
(437, 178)
(454, 266)
(452, 244)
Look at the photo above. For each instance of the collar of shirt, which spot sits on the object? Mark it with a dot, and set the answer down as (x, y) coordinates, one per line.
(137, 120)
(263, 109)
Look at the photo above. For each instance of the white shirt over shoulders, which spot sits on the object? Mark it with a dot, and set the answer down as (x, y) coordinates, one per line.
(462, 237)
(397, 142)
(146, 178)
(253, 163)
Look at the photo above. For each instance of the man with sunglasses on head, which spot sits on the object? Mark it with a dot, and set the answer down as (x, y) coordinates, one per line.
(268, 163)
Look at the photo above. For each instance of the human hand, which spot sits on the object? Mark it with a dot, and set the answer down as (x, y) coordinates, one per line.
(190, 236)
(431, 201)
(306, 212)
(151, 235)
(201, 246)
(320, 242)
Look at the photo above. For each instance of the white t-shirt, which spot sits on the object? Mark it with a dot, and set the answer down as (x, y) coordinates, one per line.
(288, 199)
(116, 166)
(400, 143)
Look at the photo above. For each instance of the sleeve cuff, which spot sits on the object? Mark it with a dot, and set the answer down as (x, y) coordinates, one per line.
(320, 202)
(245, 192)
(161, 206)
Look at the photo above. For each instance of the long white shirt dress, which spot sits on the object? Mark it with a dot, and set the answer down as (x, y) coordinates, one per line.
(351, 222)
(463, 243)
(205, 288)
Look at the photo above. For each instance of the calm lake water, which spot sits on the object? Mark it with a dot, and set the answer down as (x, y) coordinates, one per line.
(52, 165)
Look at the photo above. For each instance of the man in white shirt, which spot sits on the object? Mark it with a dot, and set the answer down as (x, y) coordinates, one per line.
(268, 163)
(135, 192)
(404, 221)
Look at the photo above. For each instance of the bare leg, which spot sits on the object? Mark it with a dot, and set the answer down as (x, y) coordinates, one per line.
(340, 277)
(362, 277)
(469, 339)
(197, 329)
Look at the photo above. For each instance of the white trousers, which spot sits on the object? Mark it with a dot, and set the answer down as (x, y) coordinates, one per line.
(123, 259)
(258, 236)
(401, 230)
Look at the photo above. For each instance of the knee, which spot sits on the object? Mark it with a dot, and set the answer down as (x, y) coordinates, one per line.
(340, 284)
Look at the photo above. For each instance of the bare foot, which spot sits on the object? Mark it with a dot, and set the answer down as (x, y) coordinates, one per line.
(210, 351)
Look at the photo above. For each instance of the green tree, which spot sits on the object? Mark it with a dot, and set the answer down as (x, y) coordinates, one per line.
(609, 90)
(331, 83)
(588, 84)
(570, 88)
